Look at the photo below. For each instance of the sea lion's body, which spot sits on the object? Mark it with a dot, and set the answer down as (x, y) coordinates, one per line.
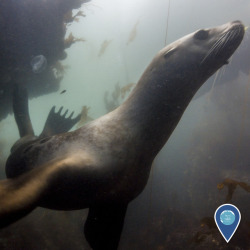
(107, 162)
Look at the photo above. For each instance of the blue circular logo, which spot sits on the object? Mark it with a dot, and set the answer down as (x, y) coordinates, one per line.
(227, 217)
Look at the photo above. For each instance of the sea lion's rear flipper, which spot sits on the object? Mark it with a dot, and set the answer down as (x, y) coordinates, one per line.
(57, 123)
(104, 226)
(21, 110)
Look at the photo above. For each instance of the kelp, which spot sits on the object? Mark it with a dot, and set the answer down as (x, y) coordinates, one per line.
(103, 47)
(60, 69)
(84, 117)
(133, 33)
(118, 95)
(71, 40)
(126, 89)
(69, 17)
(231, 186)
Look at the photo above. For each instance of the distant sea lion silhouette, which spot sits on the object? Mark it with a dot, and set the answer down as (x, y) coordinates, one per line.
(106, 163)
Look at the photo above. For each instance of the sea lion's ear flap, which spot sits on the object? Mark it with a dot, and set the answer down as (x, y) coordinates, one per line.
(170, 52)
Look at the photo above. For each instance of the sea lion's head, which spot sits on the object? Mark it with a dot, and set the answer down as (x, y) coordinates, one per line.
(199, 54)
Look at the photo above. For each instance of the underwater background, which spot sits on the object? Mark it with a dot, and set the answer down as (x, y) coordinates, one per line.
(205, 163)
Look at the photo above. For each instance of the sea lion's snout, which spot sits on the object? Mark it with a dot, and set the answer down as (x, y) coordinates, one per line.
(237, 22)
(237, 25)
(236, 30)
(224, 40)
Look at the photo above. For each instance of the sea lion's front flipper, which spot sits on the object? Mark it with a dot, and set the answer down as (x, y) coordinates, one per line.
(57, 123)
(104, 226)
(20, 195)
(21, 110)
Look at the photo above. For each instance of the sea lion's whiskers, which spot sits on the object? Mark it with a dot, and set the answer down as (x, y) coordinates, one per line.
(221, 43)
(244, 45)
(220, 46)
(214, 49)
(231, 35)
(236, 32)
(211, 50)
(216, 44)
(225, 69)
(228, 37)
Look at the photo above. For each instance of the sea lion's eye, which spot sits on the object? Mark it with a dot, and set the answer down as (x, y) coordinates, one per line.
(201, 35)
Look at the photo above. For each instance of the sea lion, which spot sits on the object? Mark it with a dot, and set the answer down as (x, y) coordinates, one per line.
(106, 163)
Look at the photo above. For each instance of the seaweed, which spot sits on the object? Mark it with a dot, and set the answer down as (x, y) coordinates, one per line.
(84, 117)
(126, 89)
(60, 69)
(133, 33)
(231, 187)
(103, 47)
(71, 40)
(118, 94)
(69, 18)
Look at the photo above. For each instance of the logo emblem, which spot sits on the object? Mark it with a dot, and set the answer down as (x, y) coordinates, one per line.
(227, 218)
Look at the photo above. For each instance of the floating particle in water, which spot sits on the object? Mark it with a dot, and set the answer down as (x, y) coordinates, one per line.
(63, 91)
(38, 64)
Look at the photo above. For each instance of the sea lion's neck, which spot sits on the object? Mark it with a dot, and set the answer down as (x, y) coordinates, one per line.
(155, 107)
